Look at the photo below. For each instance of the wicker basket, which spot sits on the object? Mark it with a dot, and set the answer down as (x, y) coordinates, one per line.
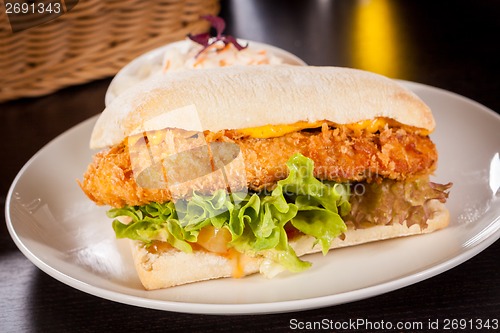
(94, 40)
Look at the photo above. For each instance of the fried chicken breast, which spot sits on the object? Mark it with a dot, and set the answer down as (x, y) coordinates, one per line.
(339, 153)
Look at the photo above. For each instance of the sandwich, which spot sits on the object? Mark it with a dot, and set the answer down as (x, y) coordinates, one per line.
(232, 171)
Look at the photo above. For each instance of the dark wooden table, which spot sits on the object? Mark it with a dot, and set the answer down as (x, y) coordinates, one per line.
(448, 44)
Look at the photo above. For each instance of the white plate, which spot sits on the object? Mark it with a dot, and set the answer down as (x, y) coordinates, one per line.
(151, 62)
(69, 238)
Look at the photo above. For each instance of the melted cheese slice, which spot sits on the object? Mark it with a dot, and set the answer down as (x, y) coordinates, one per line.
(272, 131)
(371, 126)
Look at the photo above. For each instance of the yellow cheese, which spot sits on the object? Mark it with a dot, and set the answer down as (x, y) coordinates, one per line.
(272, 131)
(132, 139)
(154, 138)
(372, 125)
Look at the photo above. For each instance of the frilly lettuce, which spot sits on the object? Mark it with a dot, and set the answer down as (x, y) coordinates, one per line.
(256, 221)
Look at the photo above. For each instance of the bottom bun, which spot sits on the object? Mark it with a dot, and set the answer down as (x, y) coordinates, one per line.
(171, 267)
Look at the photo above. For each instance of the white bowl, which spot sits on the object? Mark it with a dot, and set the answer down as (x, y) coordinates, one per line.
(151, 62)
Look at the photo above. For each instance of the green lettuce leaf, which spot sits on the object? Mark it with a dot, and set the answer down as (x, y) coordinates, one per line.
(256, 221)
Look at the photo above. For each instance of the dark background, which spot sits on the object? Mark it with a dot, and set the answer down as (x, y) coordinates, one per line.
(447, 44)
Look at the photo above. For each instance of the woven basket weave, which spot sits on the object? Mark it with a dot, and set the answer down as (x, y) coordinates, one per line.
(94, 40)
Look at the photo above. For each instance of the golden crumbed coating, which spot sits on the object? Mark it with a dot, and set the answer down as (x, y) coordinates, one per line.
(339, 154)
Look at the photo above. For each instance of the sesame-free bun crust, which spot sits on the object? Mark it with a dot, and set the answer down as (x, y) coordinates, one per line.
(250, 96)
(172, 267)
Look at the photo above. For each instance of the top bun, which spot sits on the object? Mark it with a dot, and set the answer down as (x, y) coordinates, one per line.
(249, 96)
